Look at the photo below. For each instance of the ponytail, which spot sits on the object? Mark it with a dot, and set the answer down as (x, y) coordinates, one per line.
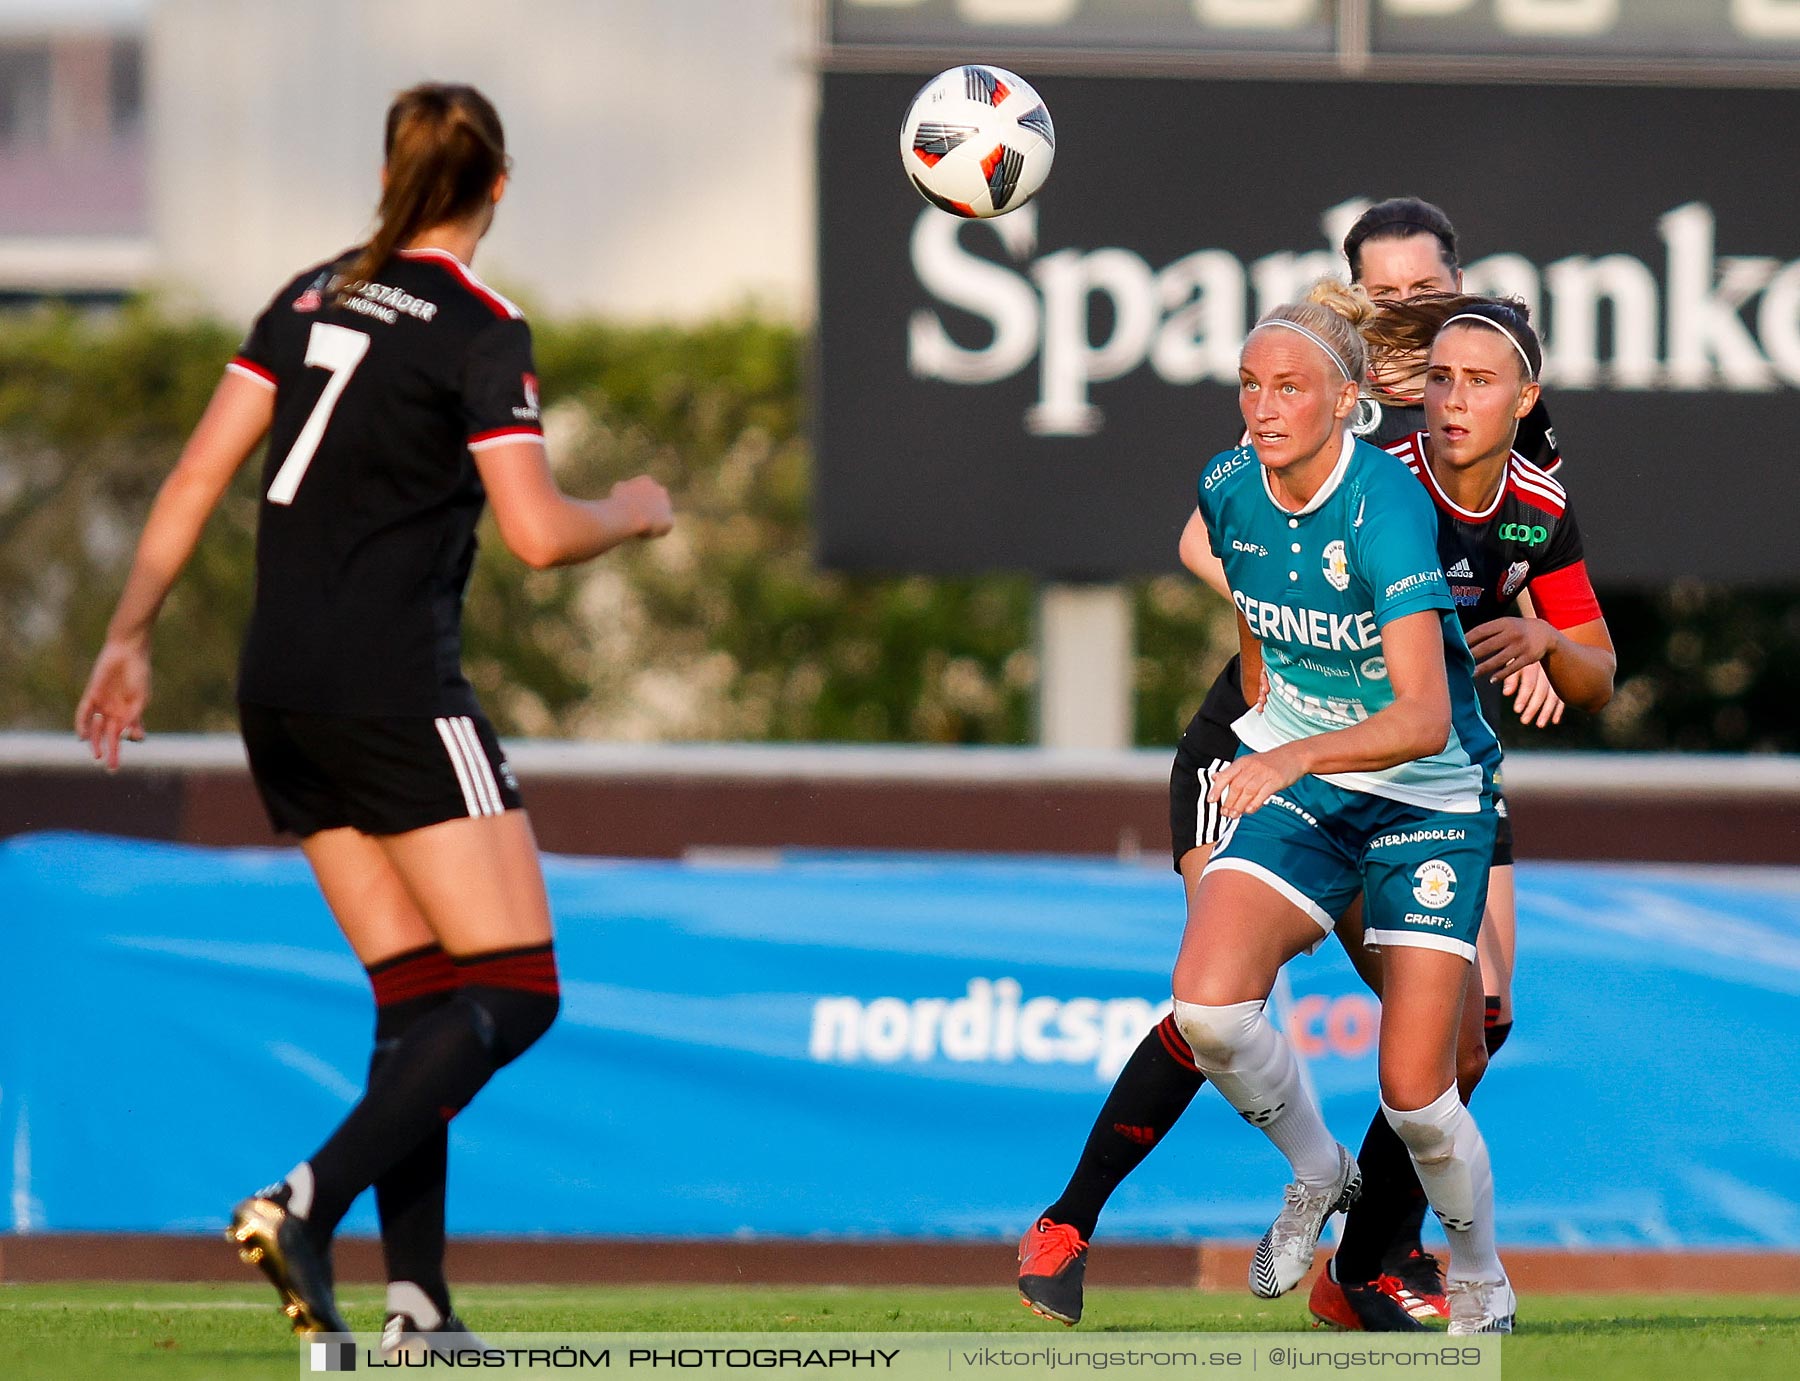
(444, 150)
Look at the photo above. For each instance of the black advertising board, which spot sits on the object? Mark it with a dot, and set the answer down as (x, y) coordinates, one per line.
(1038, 392)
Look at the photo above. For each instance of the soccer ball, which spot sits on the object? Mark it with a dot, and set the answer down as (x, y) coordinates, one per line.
(977, 141)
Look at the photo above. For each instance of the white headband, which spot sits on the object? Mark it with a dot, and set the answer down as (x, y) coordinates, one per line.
(1315, 338)
(1530, 373)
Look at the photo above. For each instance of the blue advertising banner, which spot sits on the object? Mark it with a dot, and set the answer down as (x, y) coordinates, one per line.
(864, 1046)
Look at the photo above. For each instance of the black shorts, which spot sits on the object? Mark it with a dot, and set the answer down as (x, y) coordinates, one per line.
(379, 775)
(1207, 744)
(1503, 837)
(1497, 710)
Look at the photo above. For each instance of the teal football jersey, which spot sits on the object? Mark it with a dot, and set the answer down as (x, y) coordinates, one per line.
(1318, 586)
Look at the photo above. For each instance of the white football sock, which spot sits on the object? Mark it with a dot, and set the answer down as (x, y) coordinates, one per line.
(1452, 1161)
(1239, 1050)
(300, 1184)
(403, 1297)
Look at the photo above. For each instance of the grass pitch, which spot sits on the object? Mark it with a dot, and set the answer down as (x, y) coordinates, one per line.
(186, 1332)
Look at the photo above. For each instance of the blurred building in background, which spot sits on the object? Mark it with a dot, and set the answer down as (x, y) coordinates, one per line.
(74, 204)
(213, 147)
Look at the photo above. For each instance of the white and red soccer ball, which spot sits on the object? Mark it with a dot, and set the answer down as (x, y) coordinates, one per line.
(977, 141)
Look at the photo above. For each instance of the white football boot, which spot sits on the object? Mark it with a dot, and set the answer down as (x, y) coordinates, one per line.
(1481, 1306)
(1285, 1254)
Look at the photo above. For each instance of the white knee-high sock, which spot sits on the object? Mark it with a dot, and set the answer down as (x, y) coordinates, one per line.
(1250, 1062)
(1452, 1161)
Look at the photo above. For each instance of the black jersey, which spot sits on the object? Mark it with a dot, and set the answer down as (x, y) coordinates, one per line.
(1526, 539)
(1382, 424)
(366, 534)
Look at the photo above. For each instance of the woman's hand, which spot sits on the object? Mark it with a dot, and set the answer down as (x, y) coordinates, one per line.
(1242, 786)
(644, 506)
(1534, 698)
(1505, 646)
(112, 706)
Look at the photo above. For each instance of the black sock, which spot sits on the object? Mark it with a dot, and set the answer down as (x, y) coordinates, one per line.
(409, 1196)
(505, 1001)
(1390, 1215)
(1493, 1030)
(1151, 1092)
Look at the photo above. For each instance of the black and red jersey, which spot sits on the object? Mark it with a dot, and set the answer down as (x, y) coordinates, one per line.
(1384, 423)
(370, 495)
(1526, 539)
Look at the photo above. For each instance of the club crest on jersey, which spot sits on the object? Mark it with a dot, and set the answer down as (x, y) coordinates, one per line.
(1337, 566)
(1515, 579)
(529, 412)
(314, 296)
(1434, 884)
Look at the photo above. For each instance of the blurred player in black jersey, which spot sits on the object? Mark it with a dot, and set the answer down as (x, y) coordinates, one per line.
(397, 393)
(1400, 249)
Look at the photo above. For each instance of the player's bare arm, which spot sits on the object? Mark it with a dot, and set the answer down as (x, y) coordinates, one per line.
(1198, 556)
(1415, 725)
(1579, 661)
(235, 421)
(544, 527)
(1533, 698)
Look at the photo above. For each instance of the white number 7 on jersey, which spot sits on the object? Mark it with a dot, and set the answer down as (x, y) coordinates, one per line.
(337, 350)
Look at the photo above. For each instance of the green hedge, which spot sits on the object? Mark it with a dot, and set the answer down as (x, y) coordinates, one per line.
(726, 629)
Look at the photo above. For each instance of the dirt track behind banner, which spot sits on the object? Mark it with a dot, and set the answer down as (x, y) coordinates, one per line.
(665, 801)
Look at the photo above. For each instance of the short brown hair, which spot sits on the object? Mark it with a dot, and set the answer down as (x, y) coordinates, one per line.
(1400, 218)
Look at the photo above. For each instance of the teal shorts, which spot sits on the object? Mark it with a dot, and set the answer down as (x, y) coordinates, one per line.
(1425, 871)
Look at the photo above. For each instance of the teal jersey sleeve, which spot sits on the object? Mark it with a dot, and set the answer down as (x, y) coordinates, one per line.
(1222, 471)
(1394, 541)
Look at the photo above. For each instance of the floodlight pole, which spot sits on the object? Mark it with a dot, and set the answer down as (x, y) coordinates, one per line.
(1085, 650)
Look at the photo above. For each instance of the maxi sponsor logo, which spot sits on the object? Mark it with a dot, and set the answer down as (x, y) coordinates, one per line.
(1693, 321)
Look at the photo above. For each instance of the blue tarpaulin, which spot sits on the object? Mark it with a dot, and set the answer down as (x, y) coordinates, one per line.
(862, 1046)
